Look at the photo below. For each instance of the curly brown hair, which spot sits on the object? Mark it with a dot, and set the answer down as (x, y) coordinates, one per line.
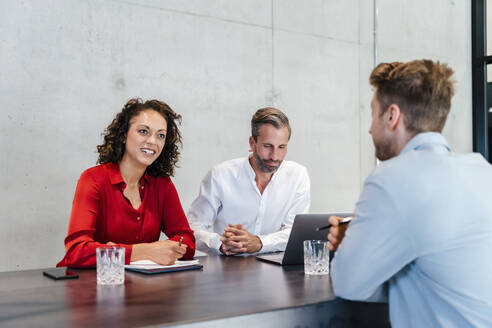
(113, 148)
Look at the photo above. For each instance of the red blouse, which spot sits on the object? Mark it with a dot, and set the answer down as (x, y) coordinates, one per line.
(101, 213)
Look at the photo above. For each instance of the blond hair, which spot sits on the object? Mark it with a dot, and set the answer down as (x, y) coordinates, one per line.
(421, 88)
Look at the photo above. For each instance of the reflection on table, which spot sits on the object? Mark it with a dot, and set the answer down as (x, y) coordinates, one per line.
(229, 290)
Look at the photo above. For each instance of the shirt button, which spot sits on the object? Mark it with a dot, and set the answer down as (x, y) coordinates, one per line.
(141, 187)
(138, 218)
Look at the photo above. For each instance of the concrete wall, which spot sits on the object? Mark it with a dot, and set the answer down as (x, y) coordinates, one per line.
(68, 66)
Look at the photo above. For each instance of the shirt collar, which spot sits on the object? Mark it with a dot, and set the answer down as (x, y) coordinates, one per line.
(276, 173)
(252, 174)
(426, 138)
(146, 178)
(115, 174)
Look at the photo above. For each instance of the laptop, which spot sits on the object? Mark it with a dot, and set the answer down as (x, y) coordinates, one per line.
(304, 228)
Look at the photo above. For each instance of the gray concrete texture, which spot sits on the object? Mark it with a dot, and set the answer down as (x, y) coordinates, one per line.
(68, 66)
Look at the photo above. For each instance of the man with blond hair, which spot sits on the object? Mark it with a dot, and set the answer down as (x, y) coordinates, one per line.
(422, 229)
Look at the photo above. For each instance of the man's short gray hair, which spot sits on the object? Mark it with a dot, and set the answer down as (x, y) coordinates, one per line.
(268, 115)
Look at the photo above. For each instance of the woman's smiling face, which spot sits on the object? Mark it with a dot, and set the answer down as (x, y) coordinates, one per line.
(145, 138)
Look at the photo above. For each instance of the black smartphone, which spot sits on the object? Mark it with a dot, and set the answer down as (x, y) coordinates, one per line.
(60, 273)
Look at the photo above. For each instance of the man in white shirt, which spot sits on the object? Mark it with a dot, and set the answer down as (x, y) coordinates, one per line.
(251, 202)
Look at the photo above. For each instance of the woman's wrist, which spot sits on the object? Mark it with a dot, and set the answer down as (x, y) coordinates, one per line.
(139, 252)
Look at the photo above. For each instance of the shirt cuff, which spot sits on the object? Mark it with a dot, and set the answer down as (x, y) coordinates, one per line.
(128, 252)
(216, 246)
(267, 245)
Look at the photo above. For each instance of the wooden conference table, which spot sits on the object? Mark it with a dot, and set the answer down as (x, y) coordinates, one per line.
(228, 292)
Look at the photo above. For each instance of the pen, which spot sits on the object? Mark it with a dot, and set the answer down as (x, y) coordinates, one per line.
(344, 221)
(180, 240)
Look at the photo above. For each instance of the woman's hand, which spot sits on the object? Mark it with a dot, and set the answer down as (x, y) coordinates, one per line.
(164, 252)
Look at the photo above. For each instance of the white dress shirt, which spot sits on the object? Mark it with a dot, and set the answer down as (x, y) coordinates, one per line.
(229, 194)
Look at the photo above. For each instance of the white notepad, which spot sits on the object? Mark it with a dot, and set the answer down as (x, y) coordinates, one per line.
(148, 264)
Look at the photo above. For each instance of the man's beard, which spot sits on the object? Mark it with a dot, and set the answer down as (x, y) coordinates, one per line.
(263, 164)
(384, 150)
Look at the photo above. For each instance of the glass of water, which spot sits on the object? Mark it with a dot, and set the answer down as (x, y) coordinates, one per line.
(316, 257)
(110, 265)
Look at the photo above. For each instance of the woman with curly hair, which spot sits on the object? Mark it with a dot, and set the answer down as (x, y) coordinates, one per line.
(129, 198)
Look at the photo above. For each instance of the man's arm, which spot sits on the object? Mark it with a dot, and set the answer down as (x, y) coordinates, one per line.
(376, 245)
(237, 240)
(277, 241)
(203, 213)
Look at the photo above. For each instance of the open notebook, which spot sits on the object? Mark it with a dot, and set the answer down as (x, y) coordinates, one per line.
(150, 267)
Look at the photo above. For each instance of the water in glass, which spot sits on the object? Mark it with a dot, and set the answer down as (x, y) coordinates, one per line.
(110, 265)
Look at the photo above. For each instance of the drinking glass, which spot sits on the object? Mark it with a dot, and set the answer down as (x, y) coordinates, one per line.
(316, 257)
(110, 265)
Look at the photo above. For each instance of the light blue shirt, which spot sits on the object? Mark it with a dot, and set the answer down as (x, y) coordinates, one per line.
(423, 230)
